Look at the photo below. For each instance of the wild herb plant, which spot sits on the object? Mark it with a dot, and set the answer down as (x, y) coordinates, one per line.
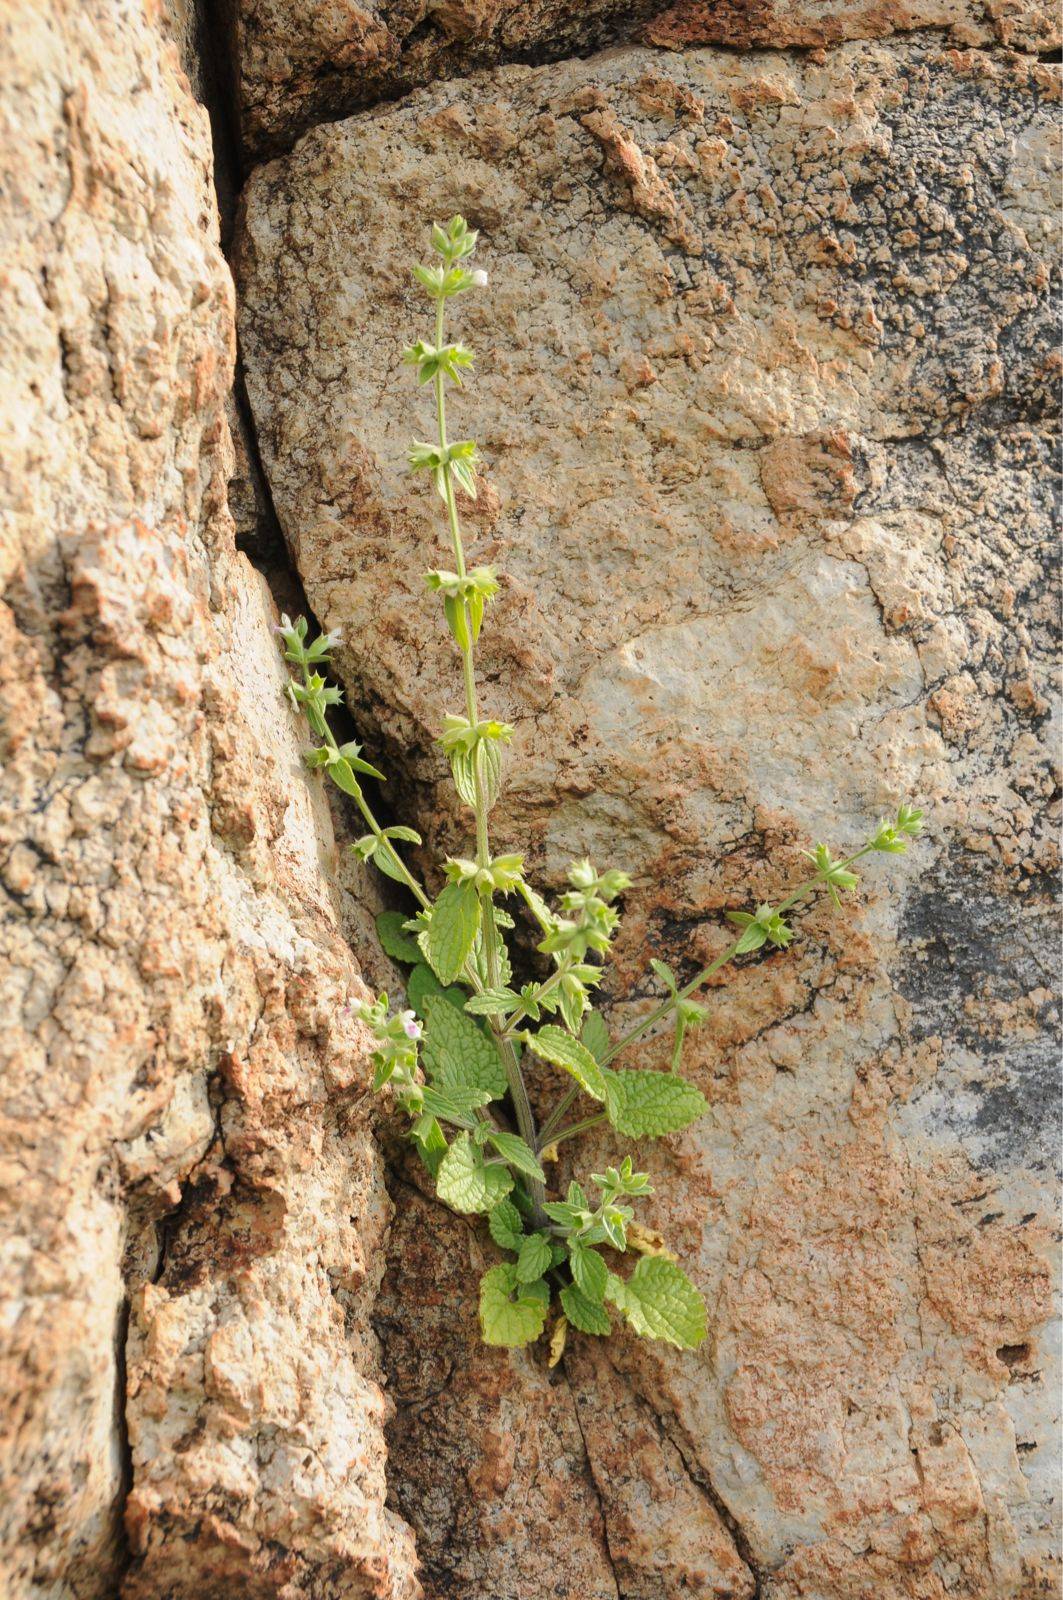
(458, 1058)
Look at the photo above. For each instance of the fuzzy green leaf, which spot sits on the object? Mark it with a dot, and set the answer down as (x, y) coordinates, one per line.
(559, 1048)
(514, 1150)
(653, 1103)
(534, 1259)
(595, 1035)
(466, 1183)
(508, 1321)
(422, 985)
(457, 1052)
(398, 944)
(452, 931)
(454, 1104)
(583, 1313)
(589, 1270)
(431, 1144)
(660, 1302)
(492, 1003)
(507, 1230)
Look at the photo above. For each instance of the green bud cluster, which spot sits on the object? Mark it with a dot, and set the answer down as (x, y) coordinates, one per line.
(456, 1058)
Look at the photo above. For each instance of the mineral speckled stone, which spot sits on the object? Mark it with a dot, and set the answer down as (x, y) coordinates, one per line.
(191, 1217)
(767, 395)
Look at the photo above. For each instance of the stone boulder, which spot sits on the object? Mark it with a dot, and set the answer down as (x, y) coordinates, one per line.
(192, 1208)
(766, 392)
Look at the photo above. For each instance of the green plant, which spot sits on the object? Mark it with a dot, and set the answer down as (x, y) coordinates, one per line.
(465, 1045)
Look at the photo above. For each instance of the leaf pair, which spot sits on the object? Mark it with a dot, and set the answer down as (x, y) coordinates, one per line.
(636, 1103)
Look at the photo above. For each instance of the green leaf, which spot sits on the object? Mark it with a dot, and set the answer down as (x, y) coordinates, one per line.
(514, 1150)
(583, 1313)
(559, 1048)
(408, 835)
(342, 776)
(431, 1145)
(422, 985)
(384, 863)
(506, 1227)
(573, 1001)
(595, 1035)
(466, 1183)
(534, 1259)
(665, 973)
(660, 1302)
(455, 1050)
(508, 1321)
(492, 1003)
(455, 1104)
(589, 1270)
(398, 944)
(489, 761)
(452, 931)
(653, 1103)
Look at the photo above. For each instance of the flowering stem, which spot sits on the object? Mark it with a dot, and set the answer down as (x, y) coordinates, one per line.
(721, 961)
(514, 1077)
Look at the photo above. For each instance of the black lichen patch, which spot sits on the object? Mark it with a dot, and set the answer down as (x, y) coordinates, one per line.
(984, 976)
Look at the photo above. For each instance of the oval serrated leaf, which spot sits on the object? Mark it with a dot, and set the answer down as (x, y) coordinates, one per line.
(595, 1035)
(559, 1048)
(660, 1302)
(589, 1271)
(396, 942)
(514, 1150)
(422, 985)
(507, 1230)
(452, 931)
(464, 1181)
(455, 1051)
(583, 1313)
(651, 1103)
(534, 1258)
(511, 1313)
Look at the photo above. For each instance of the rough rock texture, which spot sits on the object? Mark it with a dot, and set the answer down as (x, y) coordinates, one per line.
(296, 64)
(811, 24)
(767, 378)
(180, 1123)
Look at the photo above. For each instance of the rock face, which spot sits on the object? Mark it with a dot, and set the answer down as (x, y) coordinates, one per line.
(193, 1209)
(766, 389)
(294, 65)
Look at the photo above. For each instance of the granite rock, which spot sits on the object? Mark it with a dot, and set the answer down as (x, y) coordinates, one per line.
(767, 396)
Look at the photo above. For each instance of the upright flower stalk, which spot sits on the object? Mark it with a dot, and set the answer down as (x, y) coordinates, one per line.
(456, 1057)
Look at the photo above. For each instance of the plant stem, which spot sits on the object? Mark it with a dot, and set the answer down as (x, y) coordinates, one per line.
(577, 1127)
(721, 961)
(514, 1078)
(522, 1011)
(548, 1134)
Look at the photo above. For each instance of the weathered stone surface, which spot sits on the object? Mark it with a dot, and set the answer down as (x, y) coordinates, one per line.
(813, 24)
(295, 65)
(767, 376)
(179, 1122)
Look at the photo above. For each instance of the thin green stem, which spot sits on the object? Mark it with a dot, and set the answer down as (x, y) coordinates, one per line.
(713, 967)
(553, 1121)
(514, 1077)
(577, 1127)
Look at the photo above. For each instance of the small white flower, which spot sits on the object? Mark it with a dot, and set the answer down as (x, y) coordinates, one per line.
(284, 625)
(479, 278)
(333, 638)
(410, 1025)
